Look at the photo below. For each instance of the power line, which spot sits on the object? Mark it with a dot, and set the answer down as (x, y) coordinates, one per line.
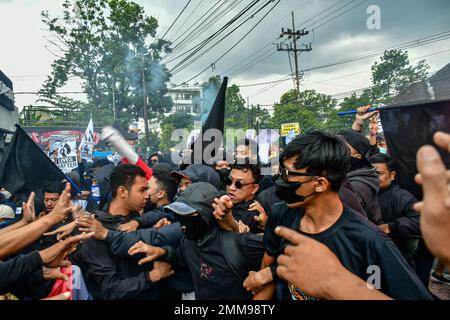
(240, 40)
(276, 82)
(198, 30)
(186, 19)
(339, 15)
(203, 43)
(189, 1)
(310, 20)
(407, 45)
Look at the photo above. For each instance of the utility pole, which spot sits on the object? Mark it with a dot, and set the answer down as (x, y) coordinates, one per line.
(294, 35)
(147, 136)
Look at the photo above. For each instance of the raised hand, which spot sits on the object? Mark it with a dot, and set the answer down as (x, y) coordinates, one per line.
(89, 224)
(435, 207)
(129, 226)
(62, 232)
(53, 256)
(222, 207)
(28, 211)
(152, 253)
(261, 218)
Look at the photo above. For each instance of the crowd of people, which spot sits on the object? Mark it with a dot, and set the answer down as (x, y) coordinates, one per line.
(331, 223)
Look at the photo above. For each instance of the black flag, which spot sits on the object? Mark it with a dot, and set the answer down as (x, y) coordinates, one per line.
(215, 120)
(410, 121)
(25, 167)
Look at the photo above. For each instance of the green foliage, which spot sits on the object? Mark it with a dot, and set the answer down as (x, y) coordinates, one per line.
(179, 120)
(394, 73)
(108, 45)
(313, 110)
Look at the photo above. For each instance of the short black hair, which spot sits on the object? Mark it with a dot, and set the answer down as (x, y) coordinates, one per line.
(246, 166)
(54, 187)
(124, 175)
(168, 184)
(322, 154)
(383, 158)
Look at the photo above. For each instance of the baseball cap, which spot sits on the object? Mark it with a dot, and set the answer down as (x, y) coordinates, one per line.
(198, 197)
(6, 212)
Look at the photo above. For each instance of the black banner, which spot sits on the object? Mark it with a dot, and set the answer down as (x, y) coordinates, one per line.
(25, 167)
(406, 129)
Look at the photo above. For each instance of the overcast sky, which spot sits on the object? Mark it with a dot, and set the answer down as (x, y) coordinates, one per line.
(25, 59)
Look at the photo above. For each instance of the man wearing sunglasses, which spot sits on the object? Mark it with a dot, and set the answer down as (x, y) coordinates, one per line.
(242, 186)
(313, 167)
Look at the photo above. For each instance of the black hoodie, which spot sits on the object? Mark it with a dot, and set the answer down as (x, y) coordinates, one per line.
(366, 184)
(109, 277)
(213, 278)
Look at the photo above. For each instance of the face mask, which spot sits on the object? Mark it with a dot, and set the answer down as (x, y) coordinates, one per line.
(196, 227)
(150, 206)
(355, 163)
(223, 173)
(286, 191)
(383, 150)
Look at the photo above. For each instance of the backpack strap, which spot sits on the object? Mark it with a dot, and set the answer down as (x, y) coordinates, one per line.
(233, 254)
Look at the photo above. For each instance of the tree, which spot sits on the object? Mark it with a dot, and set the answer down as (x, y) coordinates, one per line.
(179, 120)
(394, 73)
(342, 123)
(313, 110)
(108, 44)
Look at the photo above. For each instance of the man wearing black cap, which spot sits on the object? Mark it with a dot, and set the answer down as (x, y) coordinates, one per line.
(196, 173)
(218, 260)
(362, 175)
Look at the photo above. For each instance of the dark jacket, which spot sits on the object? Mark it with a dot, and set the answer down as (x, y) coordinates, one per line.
(148, 219)
(268, 198)
(15, 272)
(397, 209)
(109, 277)
(213, 278)
(240, 212)
(350, 198)
(170, 235)
(365, 183)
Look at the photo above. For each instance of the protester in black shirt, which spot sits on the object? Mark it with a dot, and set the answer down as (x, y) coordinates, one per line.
(109, 277)
(242, 186)
(223, 168)
(313, 167)
(162, 190)
(247, 150)
(196, 173)
(362, 175)
(202, 249)
(401, 221)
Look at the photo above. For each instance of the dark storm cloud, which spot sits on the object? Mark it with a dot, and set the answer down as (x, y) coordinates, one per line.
(346, 36)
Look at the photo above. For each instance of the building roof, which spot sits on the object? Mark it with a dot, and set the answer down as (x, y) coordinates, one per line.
(435, 88)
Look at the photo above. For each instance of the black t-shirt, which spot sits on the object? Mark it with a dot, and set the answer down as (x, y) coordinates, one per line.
(358, 244)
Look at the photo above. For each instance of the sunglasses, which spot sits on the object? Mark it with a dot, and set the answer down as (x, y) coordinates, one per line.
(284, 173)
(237, 184)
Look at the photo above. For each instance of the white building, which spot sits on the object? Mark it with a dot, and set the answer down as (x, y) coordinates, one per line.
(185, 98)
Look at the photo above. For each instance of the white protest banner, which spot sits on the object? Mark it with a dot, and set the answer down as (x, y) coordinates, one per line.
(87, 150)
(87, 143)
(67, 155)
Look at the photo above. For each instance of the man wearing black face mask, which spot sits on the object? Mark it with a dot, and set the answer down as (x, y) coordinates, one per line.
(362, 176)
(223, 168)
(312, 168)
(204, 251)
